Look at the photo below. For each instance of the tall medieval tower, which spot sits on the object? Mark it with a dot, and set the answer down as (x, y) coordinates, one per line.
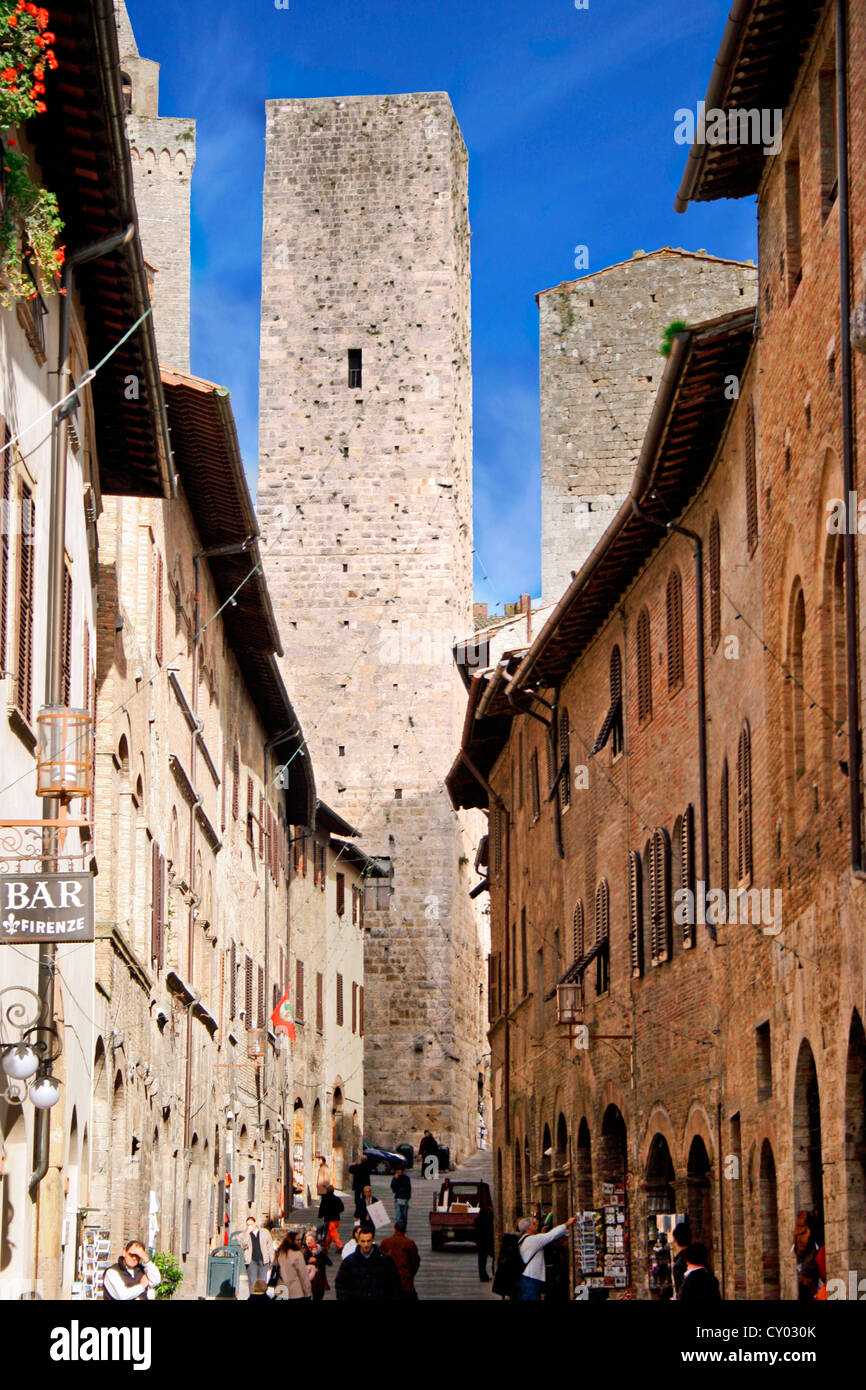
(365, 503)
(599, 369)
(163, 156)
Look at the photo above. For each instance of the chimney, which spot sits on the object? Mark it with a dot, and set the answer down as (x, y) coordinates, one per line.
(525, 606)
(479, 610)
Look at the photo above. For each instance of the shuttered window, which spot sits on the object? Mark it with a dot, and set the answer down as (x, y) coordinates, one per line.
(248, 992)
(159, 599)
(635, 914)
(602, 937)
(744, 808)
(261, 826)
(675, 630)
(564, 760)
(520, 770)
(233, 981)
(578, 931)
(686, 872)
(66, 640)
(751, 479)
(157, 906)
(236, 782)
(534, 786)
(644, 668)
(497, 841)
(361, 1010)
(339, 1001)
(249, 810)
(341, 894)
(299, 991)
(724, 831)
(715, 582)
(491, 989)
(26, 576)
(660, 897)
(6, 466)
(320, 1001)
(355, 1004)
(260, 1009)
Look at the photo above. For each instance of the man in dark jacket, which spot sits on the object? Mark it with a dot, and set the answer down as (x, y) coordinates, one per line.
(699, 1284)
(368, 1274)
(361, 1174)
(681, 1239)
(401, 1186)
(330, 1211)
(404, 1253)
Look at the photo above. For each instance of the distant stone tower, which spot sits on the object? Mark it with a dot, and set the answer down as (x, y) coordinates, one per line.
(600, 369)
(365, 504)
(163, 155)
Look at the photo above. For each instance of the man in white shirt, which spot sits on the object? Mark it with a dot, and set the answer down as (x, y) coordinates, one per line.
(134, 1276)
(351, 1245)
(530, 1285)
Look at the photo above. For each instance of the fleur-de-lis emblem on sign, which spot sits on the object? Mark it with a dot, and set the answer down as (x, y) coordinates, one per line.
(10, 924)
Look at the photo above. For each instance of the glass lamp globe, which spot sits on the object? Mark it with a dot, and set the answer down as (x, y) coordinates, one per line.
(20, 1062)
(45, 1092)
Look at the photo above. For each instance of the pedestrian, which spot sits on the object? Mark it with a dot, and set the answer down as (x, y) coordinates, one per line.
(367, 1200)
(317, 1259)
(330, 1210)
(699, 1284)
(401, 1186)
(259, 1293)
(293, 1281)
(680, 1242)
(323, 1177)
(404, 1253)
(428, 1148)
(484, 1234)
(258, 1247)
(133, 1276)
(351, 1245)
(530, 1284)
(556, 1262)
(368, 1273)
(361, 1174)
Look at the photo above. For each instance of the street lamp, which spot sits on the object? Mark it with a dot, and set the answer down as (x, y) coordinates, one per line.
(569, 1003)
(64, 758)
(31, 1054)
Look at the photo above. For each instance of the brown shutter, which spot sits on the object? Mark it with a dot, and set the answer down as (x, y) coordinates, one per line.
(248, 992)
(644, 668)
(578, 940)
(26, 564)
(751, 479)
(320, 1001)
(564, 758)
(602, 911)
(635, 914)
(361, 1010)
(675, 629)
(339, 1001)
(715, 582)
(236, 782)
(744, 807)
(157, 626)
(261, 826)
(66, 639)
(354, 1006)
(534, 785)
(724, 832)
(660, 902)
(233, 980)
(687, 871)
(5, 534)
(299, 990)
(260, 1011)
(341, 894)
(154, 902)
(249, 810)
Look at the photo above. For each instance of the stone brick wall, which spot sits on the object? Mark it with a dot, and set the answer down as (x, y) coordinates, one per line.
(365, 503)
(600, 368)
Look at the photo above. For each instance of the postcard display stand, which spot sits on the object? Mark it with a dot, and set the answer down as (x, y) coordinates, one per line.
(602, 1241)
(95, 1259)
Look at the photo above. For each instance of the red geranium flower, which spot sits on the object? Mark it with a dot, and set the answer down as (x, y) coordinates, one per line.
(40, 106)
(9, 74)
(13, 20)
(41, 19)
(47, 37)
(39, 72)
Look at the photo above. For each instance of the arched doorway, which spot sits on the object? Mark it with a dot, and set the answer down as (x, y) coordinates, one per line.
(527, 1173)
(769, 1224)
(544, 1196)
(101, 1133)
(700, 1193)
(614, 1147)
(71, 1202)
(317, 1134)
(855, 1143)
(583, 1163)
(118, 1159)
(337, 1144)
(808, 1165)
(518, 1183)
(298, 1149)
(562, 1174)
(660, 1202)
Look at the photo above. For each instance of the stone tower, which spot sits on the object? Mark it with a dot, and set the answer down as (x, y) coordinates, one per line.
(600, 369)
(163, 155)
(365, 505)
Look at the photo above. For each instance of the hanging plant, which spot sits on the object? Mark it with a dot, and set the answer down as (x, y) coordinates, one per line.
(30, 224)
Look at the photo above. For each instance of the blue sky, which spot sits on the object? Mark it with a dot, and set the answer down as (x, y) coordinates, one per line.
(568, 118)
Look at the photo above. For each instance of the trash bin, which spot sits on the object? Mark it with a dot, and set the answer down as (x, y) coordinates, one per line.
(408, 1153)
(444, 1158)
(224, 1269)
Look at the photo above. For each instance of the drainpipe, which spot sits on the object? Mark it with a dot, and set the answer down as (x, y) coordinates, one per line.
(54, 637)
(702, 696)
(848, 467)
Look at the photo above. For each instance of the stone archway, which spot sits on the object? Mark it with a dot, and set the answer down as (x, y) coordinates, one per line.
(338, 1157)
(769, 1209)
(808, 1161)
(699, 1200)
(298, 1149)
(561, 1173)
(518, 1181)
(660, 1198)
(614, 1146)
(855, 1144)
(583, 1164)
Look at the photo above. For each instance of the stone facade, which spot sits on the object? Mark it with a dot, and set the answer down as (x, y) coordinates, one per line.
(599, 370)
(365, 501)
(163, 157)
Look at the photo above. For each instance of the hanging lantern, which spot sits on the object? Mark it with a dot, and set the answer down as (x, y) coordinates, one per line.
(568, 1004)
(45, 1092)
(65, 752)
(20, 1062)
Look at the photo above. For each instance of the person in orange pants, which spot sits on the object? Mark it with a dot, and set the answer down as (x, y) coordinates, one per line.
(330, 1211)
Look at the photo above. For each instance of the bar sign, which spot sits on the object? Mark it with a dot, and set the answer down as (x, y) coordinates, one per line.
(45, 907)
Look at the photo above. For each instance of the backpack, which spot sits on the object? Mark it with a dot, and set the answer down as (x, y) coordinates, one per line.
(509, 1266)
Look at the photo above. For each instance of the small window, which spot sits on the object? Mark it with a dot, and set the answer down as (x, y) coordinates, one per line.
(355, 379)
(320, 1001)
(564, 770)
(751, 479)
(793, 248)
(635, 914)
(715, 582)
(644, 668)
(612, 728)
(578, 938)
(602, 937)
(827, 129)
(675, 630)
(341, 894)
(764, 1061)
(660, 897)
(534, 786)
(744, 808)
(339, 1001)
(299, 991)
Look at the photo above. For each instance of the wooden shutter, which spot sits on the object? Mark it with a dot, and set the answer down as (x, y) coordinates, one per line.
(675, 629)
(157, 625)
(497, 841)
(361, 1010)
(260, 1011)
(578, 939)
(320, 1001)
(534, 787)
(236, 781)
(261, 826)
(751, 479)
(341, 894)
(355, 1005)
(715, 582)
(687, 871)
(249, 810)
(660, 902)
(66, 640)
(520, 770)
(724, 831)
(644, 668)
(154, 902)
(744, 808)
(233, 980)
(339, 1001)
(6, 542)
(26, 567)
(564, 760)
(299, 990)
(602, 911)
(248, 991)
(635, 914)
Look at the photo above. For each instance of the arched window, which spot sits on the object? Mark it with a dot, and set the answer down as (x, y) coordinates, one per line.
(796, 670)
(715, 582)
(724, 832)
(685, 851)
(236, 782)
(564, 760)
(644, 668)
(612, 728)
(675, 630)
(602, 937)
(744, 807)
(660, 896)
(834, 655)
(635, 913)
(751, 479)
(578, 936)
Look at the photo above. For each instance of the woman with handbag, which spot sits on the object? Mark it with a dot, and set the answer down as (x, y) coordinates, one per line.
(317, 1258)
(293, 1281)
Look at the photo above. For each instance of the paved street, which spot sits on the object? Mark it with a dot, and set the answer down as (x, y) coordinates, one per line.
(450, 1274)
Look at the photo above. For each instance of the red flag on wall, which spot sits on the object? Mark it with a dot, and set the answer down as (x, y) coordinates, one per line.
(283, 1015)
